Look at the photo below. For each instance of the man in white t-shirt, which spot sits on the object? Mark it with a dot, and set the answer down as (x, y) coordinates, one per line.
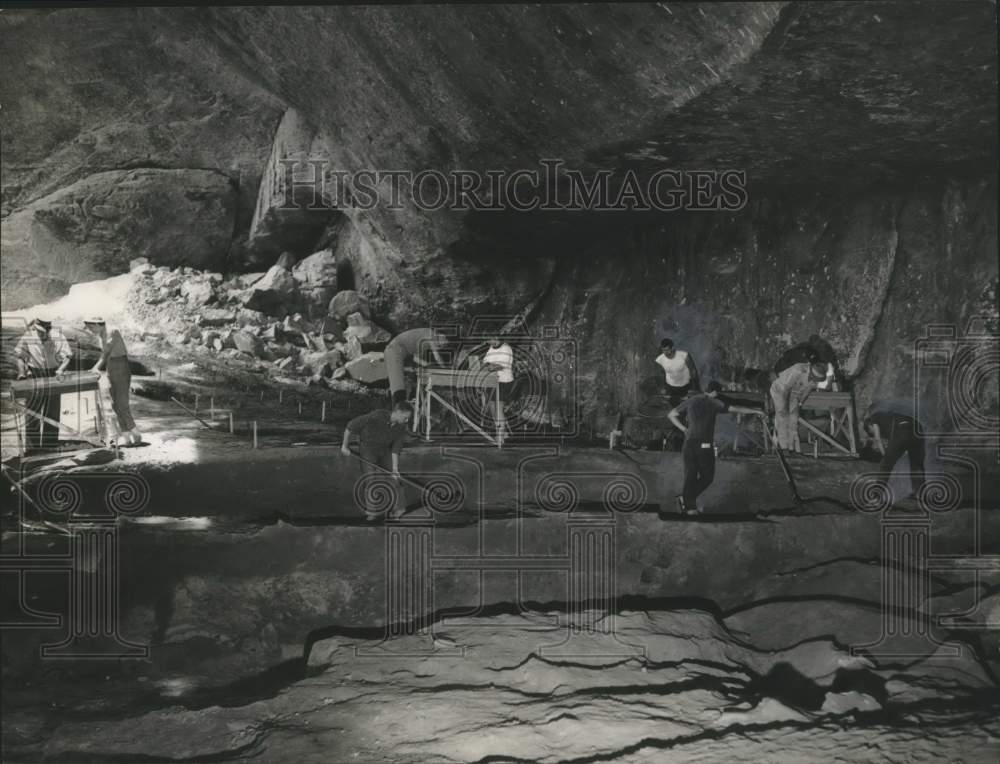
(679, 371)
(500, 358)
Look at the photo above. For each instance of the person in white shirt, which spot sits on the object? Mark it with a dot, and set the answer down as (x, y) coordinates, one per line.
(42, 352)
(680, 373)
(499, 357)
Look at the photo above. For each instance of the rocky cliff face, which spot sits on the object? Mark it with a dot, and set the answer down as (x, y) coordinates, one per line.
(158, 132)
(868, 272)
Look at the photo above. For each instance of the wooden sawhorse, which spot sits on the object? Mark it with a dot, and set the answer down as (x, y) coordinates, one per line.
(430, 381)
(842, 420)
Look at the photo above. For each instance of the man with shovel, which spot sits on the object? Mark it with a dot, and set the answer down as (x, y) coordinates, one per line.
(381, 436)
(699, 441)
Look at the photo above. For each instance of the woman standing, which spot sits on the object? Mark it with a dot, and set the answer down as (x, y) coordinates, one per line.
(114, 359)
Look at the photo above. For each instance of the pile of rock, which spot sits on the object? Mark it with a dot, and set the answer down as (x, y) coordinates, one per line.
(290, 320)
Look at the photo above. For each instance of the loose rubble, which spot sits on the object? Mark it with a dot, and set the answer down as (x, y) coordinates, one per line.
(291, 320)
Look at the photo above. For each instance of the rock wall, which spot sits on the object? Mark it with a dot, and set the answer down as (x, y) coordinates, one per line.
(867, 271)
(96, 225)
(141, 107)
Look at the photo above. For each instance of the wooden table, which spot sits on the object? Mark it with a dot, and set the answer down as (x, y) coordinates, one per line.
(432, 382)
(753, 400)
(842, 420)
(71, 383)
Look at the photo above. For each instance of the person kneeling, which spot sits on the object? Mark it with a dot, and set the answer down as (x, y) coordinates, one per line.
(381, 436)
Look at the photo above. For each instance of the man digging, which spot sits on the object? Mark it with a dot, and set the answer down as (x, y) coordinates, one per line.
(699, 445)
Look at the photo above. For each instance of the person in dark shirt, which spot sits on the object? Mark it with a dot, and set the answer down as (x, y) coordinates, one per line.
(381, 437)
(699, 436)
(895, 432)
(415, 344)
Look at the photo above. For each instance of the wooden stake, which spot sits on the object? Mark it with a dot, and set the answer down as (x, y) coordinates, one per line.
(300, 408)
(196, 401)
(211, 408)
(231, 428)
(281, 396)
(322, 413)
(255, 435)
(262, 395)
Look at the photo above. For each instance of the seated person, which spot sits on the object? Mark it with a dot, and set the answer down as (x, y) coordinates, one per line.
(499, 357)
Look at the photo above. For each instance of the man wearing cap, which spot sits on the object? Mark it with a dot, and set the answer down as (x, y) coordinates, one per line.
(42, 352)
(415, 344)
(813, 350)
(787, 392)
(699, 441)
(114, 361)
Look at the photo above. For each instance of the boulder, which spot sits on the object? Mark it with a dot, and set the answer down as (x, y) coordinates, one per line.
(197, 292)
(160, 295)
(347, 302)
(297, 324)
(367, 332)
(276, 350)
(323, 362)
(368, 368)
(276, 294)
(317, 270)
(352, 348)
(247, 343)
(286, 260)
(137, 262)
(317, 277)
(215, 317)
(330, 327)
(208, 337)
(164, 277)
(246, 317)
(247, 280)
(272, 333)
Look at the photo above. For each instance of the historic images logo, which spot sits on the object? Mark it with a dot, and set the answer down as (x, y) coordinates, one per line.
(956, 413)
(309, 183)
(88, 508)
(509, 563)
